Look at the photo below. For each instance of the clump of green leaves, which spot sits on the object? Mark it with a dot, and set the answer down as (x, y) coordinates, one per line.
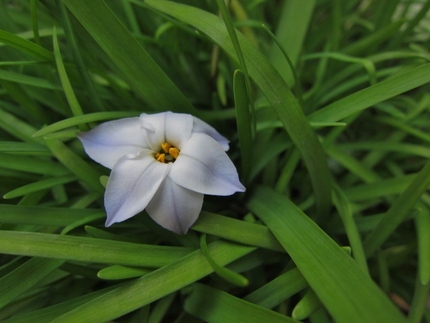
(326, 104)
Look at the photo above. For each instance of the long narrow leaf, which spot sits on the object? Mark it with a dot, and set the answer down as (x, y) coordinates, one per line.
(137, 66)
(372, 95)
(153, 286)
(87, 249)
(398, 211)
(331, 273)
(25, 46)
(213, 305)
(25, 277)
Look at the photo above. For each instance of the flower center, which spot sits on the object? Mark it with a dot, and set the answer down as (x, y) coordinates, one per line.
(167, 153)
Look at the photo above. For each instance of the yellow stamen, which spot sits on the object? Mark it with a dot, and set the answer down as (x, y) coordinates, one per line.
(167, 154)
(174, 152)
(166, 146)
(161, 157)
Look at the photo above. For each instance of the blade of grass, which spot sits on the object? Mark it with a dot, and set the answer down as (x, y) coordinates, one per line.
(75, 164)
(307, 305)
(345, 211)
(121, 272)
(164, 281)
(21, 78)
(87, 249)
(45, 216)
(233, 36)
(77, 57)
(137, 66)
(236, 230)
(295, 77)
(26, 46)
(225, 273)
(330, 272)
(24, 148)
(87, 118)
(34, 21)
(372, 95)
(23, 99)
(278, 290)
(23, 278)
(47, 314)
(363, 45)
(32, 165)
(213, 305)
(419, 304)
(378, 189)
(291, 32)
(398, 211)
(40, 185)
(67, 87)
(243, 121)
(422, 224)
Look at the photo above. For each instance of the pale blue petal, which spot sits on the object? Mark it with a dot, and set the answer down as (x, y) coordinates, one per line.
(179, 127)
(174, 128)
(132, 184)
(111, 140)
(204, 167)
(174, 207)
(202, 127)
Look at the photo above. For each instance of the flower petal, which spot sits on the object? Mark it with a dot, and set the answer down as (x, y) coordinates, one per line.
(174, 207)
(202, 127)
(132, 184)
(174, 128)
(111, 140)
(204, 167)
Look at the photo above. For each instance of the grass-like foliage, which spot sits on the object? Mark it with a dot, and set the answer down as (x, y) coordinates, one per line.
(327, 108)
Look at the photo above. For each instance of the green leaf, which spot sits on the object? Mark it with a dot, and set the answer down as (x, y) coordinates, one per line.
(68, 89)
(87, 118)
(331, 273)
(345, 211)
(32, 165)
(45, 216)
(423, 235)
(215, 306)
(398, 211)
(294, 22)
(23, 148)
(243, 120)
(25, 277)
(25, 46)
(236, 230)
(157, 284)
(34, 81)
(225, 273)
(121, 272)
(40, 185)
(47, 314)
(134, 62)
(75, 164)
(372, 95)
(17, 127)
(307, 305)
(279, 289)
(87, 249)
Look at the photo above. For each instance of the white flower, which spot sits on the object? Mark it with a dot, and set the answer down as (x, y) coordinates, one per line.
(163, 163)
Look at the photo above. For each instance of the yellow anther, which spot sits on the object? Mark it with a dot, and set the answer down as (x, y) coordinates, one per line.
(161, 157)
(174, 152)
(165, 146)
(167, 154)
